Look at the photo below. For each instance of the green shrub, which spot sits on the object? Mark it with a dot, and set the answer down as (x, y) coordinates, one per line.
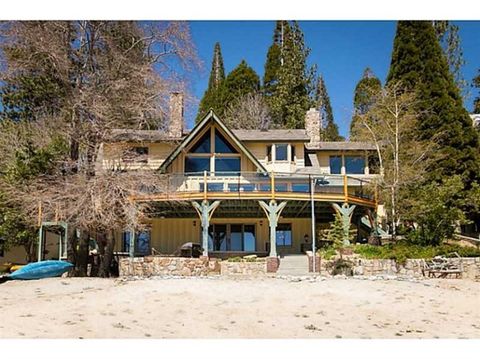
(327, 252)
(402, 251)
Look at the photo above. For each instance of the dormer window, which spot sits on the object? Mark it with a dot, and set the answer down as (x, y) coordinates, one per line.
(281, 152)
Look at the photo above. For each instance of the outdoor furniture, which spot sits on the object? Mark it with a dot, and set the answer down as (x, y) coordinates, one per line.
(442, 267)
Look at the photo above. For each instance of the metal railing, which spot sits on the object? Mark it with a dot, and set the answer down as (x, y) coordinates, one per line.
(252, 182)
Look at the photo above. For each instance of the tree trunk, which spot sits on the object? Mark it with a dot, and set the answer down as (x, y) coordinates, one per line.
(108, 256)
(81, 264)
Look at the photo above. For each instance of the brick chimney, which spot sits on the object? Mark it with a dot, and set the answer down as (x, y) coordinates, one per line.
(175, 126)
(313, 125)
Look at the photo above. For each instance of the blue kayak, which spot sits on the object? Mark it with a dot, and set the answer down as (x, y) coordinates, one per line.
(39, 270)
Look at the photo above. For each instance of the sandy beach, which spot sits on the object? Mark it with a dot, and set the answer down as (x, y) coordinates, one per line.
(239, 308)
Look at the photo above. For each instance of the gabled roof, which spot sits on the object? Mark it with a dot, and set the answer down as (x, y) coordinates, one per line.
(272, 135)
(197, 129)
(341, 146)
(127, 135)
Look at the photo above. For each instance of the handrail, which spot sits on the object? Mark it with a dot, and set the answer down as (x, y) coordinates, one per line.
(242, 183)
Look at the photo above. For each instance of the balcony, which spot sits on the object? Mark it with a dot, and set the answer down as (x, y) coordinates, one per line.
(251, 185)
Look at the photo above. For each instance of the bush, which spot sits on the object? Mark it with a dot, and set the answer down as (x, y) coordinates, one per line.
(402, 251)
(327, 252)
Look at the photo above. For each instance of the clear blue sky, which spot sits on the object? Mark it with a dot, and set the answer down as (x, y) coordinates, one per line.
(341, 50)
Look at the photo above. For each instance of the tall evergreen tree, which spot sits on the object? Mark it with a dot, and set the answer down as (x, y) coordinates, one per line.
(329, 130)
(293, 82)
(476, 101)
(365, 94)
(274, 58)
(212, 97)
(241, 81)
(419, 64)
(449, 38)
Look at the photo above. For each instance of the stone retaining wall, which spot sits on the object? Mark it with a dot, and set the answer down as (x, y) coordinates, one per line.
(156, 266)
(412, 267)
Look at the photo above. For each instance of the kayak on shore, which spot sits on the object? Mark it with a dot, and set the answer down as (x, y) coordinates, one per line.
(39, 270)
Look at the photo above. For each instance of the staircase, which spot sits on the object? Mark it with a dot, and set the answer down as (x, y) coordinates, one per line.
(294, 265)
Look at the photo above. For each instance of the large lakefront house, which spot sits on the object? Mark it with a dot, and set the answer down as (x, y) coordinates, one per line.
(246, 191)
(237, 192)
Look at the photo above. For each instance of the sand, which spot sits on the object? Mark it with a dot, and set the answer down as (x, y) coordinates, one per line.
(239, 308)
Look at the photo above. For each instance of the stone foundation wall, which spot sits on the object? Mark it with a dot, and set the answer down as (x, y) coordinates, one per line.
(250, 268)
(272, 264)
(156, 266)
(412, 267)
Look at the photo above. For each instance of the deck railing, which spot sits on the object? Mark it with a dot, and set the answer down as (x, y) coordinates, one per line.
(243, 183)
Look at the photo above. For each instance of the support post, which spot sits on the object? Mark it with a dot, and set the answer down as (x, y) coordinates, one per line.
(273, 211)
(205, 212)
(346, 212)
(40, 244)
(131, 249)
(345, 188)
(272, 185)
(312, 201)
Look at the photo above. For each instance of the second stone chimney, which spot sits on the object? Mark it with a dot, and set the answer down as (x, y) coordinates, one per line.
(313, 125)
(175, 125)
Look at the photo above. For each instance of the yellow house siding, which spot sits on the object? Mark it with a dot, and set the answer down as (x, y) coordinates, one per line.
(157, 153)
(167, 234)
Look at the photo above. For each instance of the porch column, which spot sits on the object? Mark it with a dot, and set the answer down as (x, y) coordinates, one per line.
(273, 211)
(40, 244)
(131, 246)
(346, 212)
(205, 212)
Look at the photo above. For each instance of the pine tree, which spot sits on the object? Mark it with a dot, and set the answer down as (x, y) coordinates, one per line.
(212, 96)
(449, 39)
(241, 81)
(365, 93)
(419, 64)
(290, 96)
(329, 131)
(274, 58)
(476, 101)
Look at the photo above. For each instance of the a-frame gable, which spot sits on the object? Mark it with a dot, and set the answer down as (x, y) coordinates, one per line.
(198, 129)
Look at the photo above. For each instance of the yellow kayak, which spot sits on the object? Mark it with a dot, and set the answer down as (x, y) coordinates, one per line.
(15, 267)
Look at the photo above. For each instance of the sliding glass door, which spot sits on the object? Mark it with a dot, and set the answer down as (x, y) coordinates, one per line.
(231, 237)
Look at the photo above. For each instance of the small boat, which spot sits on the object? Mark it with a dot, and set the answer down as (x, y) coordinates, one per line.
(39, 270)
(16, 267)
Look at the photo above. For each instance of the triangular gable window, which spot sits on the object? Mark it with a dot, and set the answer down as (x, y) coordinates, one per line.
(203, 144)
(222, 145)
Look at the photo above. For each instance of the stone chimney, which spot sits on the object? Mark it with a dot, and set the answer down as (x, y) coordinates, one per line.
(175, 126)
(313, 125)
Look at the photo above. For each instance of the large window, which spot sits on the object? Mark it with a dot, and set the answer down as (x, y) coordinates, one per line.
(212, 144)
(355, 165)
(284, 234)
(231, 237)
(142, 242)
(281, 152)
(197, 164)
(335, 165)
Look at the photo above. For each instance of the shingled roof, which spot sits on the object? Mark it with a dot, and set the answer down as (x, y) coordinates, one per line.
(341, 146)
(127, 135)
(272, 135)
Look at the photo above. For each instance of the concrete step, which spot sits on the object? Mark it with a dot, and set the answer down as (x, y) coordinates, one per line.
(295, 265)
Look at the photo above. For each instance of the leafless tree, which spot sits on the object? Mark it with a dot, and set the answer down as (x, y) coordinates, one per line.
(106, 75)
(248, 112)
(391, 125)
